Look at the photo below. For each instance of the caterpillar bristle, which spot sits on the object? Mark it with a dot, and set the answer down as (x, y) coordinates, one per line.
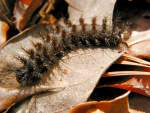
(54, 44)
(48, 38)
(38, 46)
(94, 23)
(63, 34)
(68, 23)
(105, 25)
(33, 67)
(33, 43)
(74, 29)
(21, 59)
(57, 41)
(29, 52)
(81, 20)
(57, 29)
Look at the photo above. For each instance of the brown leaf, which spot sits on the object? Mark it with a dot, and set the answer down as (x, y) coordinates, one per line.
(117, 105)
(83, 73)
(137, 41)
(80, 69)
(9, 97)
(3, 31)
(139, 85)
(88, 9)
(23, 15)
(142, 53)
(28, 2)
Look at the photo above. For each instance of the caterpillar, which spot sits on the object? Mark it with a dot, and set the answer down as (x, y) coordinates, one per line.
(57, 41)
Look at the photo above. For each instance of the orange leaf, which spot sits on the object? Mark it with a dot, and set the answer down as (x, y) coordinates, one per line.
(28, 2)
(139, 85)
(117, 105)
(3, 31)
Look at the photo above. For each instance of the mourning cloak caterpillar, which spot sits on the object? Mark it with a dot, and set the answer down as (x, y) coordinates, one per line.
(58, 41)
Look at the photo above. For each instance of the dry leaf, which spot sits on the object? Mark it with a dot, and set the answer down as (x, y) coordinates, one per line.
(135, 76)
(88, 9)
(81, 70)
(10, 97)
(137, 51)
(137, 41)
(23, 13)
(26, 1)
(139, 85)
(118, 105)
(3, 31)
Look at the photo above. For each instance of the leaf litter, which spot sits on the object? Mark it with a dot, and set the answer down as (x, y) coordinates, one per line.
(84, 82)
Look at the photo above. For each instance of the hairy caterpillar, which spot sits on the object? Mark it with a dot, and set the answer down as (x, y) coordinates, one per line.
(57, 41)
